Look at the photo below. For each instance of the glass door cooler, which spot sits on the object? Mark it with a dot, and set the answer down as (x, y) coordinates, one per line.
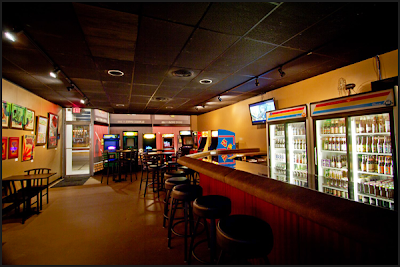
(354, 144)
(287, 145)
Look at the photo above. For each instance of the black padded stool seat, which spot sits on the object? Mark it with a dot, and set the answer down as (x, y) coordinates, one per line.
(175, 173)
(245, 236)
(209, 207)
(189, 172)
(169, 184)
(185, 194)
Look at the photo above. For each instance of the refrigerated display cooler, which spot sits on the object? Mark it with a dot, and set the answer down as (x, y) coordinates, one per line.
(354, 144)
(287, 144)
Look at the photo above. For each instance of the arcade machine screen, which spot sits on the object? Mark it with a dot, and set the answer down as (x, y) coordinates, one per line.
(187, 141)
(167, 142)
(130, 142)
(111, 142)
(149, 141)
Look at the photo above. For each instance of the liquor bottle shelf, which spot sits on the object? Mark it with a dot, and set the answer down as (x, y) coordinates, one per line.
(377, 197)
(333, 168)
(335, 187)
(334, 151)
(328, 135)
(364, 134)
(373, 154)
(375, 173)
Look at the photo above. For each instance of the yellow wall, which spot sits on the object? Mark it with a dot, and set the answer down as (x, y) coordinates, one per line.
(236, 117)
(43, 157)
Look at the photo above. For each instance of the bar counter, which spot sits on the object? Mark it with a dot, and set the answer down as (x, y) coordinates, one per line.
(309, 227)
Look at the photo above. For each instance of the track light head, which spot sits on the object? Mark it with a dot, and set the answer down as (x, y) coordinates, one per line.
(219, 98)
(257, 83)
(12, 34)
(72, 87)
(84, 100)
(281, 72)
(54, 73)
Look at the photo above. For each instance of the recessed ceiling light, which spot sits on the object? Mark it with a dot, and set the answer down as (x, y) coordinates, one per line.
(120, 105)
(160, 98)
(205, 81)
(169, 107)
(182, 73)
(115, 73)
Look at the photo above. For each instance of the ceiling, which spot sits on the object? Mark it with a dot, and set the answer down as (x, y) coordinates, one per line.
(230, 44)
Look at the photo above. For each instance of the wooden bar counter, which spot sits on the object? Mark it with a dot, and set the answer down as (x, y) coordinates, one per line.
(309, 227)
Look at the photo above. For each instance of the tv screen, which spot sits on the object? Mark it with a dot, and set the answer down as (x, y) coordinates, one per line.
(258, 110)
(187, 140)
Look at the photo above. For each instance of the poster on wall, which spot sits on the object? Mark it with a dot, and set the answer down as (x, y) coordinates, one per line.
(52, 130)
(13, 146)
(29, 119)
(17, 116)
(5, 117)
(28, 144)
(41, 130)
(4, 148)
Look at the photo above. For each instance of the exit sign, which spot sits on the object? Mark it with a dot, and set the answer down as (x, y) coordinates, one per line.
(76, 110)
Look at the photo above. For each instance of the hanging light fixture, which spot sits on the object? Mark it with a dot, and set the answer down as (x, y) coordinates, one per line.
(54, 73)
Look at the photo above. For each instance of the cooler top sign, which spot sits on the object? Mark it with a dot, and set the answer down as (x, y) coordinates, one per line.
(384, 98)
(287, 113)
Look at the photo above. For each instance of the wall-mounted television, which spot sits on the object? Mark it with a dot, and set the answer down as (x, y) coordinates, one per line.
(258, 110)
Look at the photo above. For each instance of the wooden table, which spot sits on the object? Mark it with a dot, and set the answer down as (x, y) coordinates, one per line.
(28, 178)
(119, 161)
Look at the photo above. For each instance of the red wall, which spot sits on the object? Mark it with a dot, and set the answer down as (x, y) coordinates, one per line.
(99, 130)
(159, 130)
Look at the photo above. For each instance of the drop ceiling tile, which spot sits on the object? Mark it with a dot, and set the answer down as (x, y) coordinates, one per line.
(166, 91)
(188, 92)
(235, 18)
(88, 85)
(139, 99)
(289, 19)
(117, 87)
(143, 89)
(188, 13)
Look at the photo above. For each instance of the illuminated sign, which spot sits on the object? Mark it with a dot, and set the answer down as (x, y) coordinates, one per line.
(204, 134)
(214, 133)
(184, 133)
(168, 135)
(76, 110)
(149, 136)
(130, 133)
(110, 136)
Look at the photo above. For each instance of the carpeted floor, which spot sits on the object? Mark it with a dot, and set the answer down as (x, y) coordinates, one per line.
(71, 182)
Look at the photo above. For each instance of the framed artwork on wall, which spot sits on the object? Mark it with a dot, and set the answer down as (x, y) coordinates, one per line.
(13, 146)
(17, 116)
(4, 147)
(28, 144)
(41, 130)
(52, 131)
(29, 119)
(5, 117)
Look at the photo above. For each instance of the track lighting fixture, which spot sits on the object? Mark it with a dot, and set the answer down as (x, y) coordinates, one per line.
(257, 83)
(72, 87)
(219, 98)
(84, 100)
(281, 72)
(10, 36)
(54, 73)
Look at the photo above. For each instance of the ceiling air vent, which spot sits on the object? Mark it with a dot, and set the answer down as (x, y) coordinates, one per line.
(160, 98)
(182, 73)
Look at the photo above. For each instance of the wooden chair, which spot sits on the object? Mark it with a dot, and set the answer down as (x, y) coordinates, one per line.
(109, 161)
(38, 185)
(145, 161)
(129, 159)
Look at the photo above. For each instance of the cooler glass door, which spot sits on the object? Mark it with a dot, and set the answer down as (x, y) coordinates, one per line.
(371, 157)
(331, 163)
(297, 149)
(278, 151)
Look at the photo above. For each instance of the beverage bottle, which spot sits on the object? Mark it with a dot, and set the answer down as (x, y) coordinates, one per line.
(336, 126)
(385, 148)
(330, 143)
(363, 144)
(370, 164)
(363, 163)
(368, 125)
(340, 126)
(381, 125)
(373, 145)
(389, 145)
(337, 145)
(387, 124)
(387, 167)
(344, 144)
(339, 163)
(380, 169)
(357, 120)
(332, 130)
(344, 161)
(374, 125)
(362, 125)
(368, 144)
(358, 145)
(379, 145)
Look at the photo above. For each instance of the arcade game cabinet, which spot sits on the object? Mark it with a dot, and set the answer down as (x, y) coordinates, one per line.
(111, 142)
(214, 140)
(187, 142)
(202, 141)
(149, 141)
(168, 141)
(130, 140)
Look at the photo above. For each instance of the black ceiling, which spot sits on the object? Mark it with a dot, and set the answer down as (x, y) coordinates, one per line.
(228, 43)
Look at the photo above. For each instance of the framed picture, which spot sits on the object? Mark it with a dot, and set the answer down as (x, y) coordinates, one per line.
(52, 131)
(17, 116)
(13, 146)
(28, 144)
(4, 148)
(29, 119)
(41, 130)
(5, 117)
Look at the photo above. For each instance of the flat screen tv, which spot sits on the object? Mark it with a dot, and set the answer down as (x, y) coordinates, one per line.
(258, 110)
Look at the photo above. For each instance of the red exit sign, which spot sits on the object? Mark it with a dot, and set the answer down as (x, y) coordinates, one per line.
(76, 110)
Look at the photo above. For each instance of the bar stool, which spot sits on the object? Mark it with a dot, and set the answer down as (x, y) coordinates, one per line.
(189, 173)
(169, 184)
(175, 173)
(245, 237)
(209, 207)
(185, 193)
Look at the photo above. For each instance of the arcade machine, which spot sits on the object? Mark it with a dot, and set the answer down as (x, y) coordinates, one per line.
(111, 142)
(130, 140)
(149, 141)
(226, 141)
(187, 141)
(167, 141)
(203, 137)
(214, 140)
